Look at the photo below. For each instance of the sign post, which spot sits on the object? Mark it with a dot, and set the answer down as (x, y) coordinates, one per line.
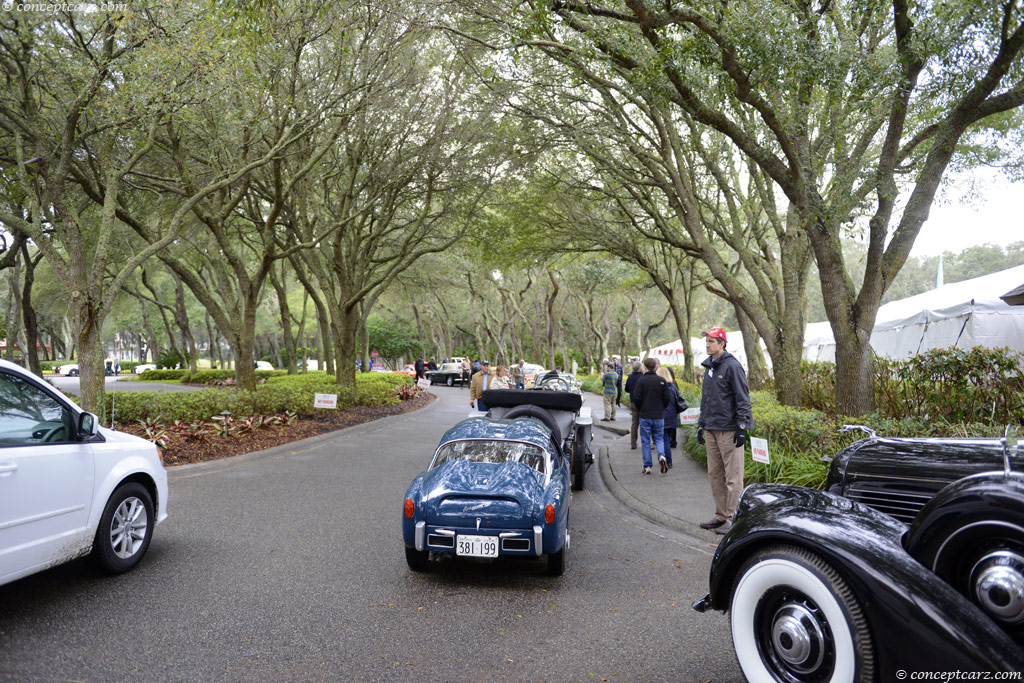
(326, 401)
(759, 450)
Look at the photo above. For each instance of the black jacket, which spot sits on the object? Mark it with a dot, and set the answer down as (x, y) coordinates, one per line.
(724, 399)
(631, 382)
(650, 395)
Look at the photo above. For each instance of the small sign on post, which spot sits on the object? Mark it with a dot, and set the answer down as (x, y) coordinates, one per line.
(689, 416)
(759, 450)
(326, 401)
(423, 384)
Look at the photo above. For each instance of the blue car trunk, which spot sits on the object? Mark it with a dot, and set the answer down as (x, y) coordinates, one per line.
(499, 495)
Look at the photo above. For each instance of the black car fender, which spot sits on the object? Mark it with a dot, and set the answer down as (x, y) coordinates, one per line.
(984, 505)
(917, 621)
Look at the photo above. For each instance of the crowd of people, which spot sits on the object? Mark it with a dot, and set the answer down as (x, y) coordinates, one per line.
(654, 405)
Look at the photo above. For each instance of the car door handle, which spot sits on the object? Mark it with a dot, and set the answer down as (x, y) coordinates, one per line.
(7, 468)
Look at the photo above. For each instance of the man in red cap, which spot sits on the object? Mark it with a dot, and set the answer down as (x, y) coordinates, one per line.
(725, 417)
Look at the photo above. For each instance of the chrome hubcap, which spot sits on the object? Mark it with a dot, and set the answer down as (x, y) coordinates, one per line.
(798, 638)
(128, 527)
(997, 581)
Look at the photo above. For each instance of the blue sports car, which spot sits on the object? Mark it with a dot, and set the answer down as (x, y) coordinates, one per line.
(494, 488)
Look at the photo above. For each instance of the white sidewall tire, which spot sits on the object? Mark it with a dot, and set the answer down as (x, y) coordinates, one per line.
(761, 578)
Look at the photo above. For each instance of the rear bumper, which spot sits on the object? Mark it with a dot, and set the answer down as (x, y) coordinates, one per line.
(511, 542)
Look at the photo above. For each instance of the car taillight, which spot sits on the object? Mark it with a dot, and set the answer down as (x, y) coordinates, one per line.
(549, 514)
(410, 508)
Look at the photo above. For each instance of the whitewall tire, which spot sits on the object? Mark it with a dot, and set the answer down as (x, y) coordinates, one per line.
(795, 620)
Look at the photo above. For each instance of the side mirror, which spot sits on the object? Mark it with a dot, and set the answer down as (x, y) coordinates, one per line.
(1010, 445)
(88, 425)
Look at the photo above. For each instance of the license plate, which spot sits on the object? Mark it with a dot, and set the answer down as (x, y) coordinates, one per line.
(476, 546)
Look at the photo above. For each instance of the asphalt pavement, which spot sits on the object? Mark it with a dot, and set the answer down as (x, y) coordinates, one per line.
(680, 499)
(287, 564)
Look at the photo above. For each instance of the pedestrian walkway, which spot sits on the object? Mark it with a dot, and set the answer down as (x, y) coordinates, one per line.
(680, 499)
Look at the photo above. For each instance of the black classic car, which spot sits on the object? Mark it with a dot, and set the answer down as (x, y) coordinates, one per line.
(911, 560)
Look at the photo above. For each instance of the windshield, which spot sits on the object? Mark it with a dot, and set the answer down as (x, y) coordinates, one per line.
(495, 452)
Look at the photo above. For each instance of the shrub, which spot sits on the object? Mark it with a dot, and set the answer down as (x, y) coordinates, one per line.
(157, 375)
(950, 385)
(204, 376)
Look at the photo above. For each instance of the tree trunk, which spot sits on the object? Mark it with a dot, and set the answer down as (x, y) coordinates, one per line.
(90, 358)
(28, 313)
(213, 342)
(757, 369)
(345, 324)
(181, 313)
(14, 313)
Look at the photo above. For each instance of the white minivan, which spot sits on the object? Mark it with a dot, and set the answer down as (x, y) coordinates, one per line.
(69, 487)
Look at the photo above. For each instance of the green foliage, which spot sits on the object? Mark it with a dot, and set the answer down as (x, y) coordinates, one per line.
(393, 337)
(819, 385)
(281, 394)
(953, 385)
(171, 359)
(204, 376)
(799, 438)
(157, 375)
(948, 385)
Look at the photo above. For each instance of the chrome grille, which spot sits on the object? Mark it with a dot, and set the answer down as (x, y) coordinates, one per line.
(903, 505)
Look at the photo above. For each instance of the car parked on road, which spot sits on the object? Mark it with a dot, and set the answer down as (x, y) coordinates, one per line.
(449, 372)
(912, 560)
(494, 488)
(69, 487)
(141, 368)
(67, 369)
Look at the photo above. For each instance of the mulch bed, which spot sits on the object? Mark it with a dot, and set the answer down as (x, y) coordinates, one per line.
(180, 451)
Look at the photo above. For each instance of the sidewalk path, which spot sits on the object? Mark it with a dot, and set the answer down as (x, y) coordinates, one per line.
(680, 499)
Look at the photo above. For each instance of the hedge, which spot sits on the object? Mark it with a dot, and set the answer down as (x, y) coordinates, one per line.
(280, 394)
(798, 439)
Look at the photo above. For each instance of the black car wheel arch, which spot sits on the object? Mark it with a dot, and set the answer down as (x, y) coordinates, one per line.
(794, 619)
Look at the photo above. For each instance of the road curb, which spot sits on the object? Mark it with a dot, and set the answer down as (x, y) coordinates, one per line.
(302, 444)
(642, 508)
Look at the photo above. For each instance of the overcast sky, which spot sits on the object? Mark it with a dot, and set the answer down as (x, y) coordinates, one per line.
(993, 214)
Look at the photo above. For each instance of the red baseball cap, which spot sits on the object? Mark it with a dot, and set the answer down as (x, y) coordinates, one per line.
(716, 332)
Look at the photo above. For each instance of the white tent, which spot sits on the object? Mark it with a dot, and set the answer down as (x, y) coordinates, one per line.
(962, 314)
(672, 353)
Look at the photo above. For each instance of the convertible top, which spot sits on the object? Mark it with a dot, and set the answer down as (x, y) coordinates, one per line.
(542, 398)
(528, 430)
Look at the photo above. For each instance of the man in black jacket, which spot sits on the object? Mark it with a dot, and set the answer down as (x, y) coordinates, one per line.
(634, 412)
(650, 395)
(725, 417)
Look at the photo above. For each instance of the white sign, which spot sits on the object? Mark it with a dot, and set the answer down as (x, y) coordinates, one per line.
(423, 384)
(759, 450)
(326, 401)
(689, 416)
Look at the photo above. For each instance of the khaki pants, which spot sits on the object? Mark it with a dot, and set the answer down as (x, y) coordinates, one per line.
(725, 471)
(609, 407)
(634, 412)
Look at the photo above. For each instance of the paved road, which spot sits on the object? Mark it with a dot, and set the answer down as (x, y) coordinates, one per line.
(288, 565)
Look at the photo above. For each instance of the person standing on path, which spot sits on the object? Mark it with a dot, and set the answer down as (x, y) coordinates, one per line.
(634, 412)
(725, 417)
(519, 374)
(421, 368)
(651, 395)
(479, 384)
(671, 410)
(618, 384)
(608, 379)
(466, 367)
